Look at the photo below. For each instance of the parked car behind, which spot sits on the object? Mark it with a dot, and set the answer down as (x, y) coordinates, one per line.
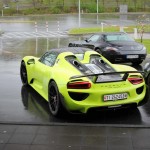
(116, 47)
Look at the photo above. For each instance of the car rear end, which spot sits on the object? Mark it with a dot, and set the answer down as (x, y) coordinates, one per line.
(100, 89)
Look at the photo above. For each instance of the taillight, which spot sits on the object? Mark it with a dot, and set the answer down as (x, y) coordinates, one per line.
(79, 85)
(135, 80)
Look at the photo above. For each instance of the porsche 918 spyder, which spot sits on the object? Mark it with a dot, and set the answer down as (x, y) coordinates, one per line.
(80, 79)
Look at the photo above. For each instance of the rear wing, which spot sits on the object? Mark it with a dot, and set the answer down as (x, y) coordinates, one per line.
(125, 76)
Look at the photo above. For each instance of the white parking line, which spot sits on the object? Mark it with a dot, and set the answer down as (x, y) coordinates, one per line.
(19, 34)
(33, 34)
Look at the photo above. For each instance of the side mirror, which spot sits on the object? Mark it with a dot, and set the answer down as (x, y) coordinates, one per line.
(86, 40)
(31, 61)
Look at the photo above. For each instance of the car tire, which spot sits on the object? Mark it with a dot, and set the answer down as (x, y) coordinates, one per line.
(54, 100)
(25, 96)
(136, 63)
(23, 73)
(148, 80)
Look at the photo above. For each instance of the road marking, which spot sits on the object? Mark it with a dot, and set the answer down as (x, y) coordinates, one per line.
(34, 34)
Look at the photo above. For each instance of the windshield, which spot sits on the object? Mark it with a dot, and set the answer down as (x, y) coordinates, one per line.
(94, 38)
(118, 37)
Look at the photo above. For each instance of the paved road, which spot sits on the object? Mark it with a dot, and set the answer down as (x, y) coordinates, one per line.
(27, 35)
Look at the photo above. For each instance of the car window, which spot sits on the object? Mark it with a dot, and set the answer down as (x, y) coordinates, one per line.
(49, 59)
(94, 38)
(118, 37)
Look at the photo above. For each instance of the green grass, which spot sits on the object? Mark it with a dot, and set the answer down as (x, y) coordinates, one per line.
(77, 31)
(146, 42)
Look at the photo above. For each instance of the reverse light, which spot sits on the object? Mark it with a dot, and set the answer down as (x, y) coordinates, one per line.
(135, 80)
(79, 85)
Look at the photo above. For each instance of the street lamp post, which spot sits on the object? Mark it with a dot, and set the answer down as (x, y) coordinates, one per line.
(97, 6)
(2, 12)
(97, 11)
(79, 14)
(17, 6)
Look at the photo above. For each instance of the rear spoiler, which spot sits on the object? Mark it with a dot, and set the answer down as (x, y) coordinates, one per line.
(126, 74)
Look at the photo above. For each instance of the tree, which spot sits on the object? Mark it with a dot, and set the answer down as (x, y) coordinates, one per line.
(142, 22)
(103, 1)
(37, 3)
(117, 2)
(135, 2)
(34, 3)
(63, 3)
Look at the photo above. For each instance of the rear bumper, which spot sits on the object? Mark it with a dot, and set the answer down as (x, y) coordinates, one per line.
(123, 58)
(95, 101)
(107, 108)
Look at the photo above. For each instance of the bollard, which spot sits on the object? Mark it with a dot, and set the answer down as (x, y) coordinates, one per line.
(135, 33)
(2, 13)
(58, 26)
(102, 26)
(46, 26)
(35, 24)
(121, 29)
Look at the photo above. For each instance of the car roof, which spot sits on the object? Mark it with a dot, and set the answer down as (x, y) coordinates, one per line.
(75, 50)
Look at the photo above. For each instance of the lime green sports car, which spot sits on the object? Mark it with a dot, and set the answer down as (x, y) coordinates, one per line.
(80, 79)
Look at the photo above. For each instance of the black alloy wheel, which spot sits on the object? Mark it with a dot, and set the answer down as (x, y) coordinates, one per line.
(136, 63)
(55, 104)
(148, 80)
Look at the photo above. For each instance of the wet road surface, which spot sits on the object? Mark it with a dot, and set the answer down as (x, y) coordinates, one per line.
(23, 105)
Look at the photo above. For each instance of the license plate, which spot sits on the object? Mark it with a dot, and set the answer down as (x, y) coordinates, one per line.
(113, 97)
(132, 56)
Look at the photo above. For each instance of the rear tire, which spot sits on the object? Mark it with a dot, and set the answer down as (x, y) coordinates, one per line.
(137, 62)
(23, 73)
(148, 80)
(54, 98)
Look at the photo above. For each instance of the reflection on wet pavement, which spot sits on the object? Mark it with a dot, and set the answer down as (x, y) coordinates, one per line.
(34, 103)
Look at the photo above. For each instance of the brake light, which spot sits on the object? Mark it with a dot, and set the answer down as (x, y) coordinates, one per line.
(135, 80)
(79, 85)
